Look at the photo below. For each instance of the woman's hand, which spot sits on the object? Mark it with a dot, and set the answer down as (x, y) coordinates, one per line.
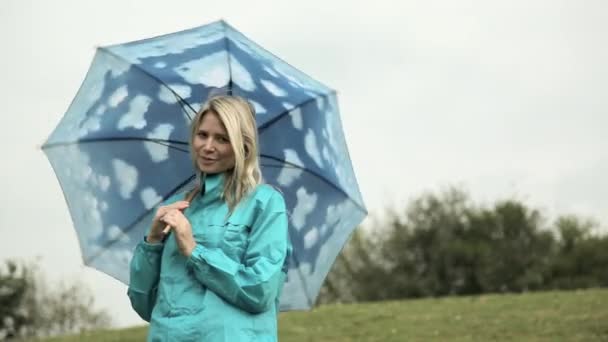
(156, 234)
(182, 231)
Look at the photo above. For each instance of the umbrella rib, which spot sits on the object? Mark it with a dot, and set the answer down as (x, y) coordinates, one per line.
(228, 57)
(164, 142)
(361, 207)
(137, 220)
(286, 111)
(145, 72)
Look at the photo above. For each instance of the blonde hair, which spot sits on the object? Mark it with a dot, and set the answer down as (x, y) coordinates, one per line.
(238, 117)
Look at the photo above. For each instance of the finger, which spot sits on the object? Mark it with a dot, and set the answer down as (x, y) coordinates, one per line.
(162, 211)
(176, 213)
(169, 220)
(179, 205)
(169, 217)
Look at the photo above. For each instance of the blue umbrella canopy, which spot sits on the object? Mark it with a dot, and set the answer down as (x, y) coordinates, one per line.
(122, 147)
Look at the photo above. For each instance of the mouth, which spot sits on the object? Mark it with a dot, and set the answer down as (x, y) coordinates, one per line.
(206, 160)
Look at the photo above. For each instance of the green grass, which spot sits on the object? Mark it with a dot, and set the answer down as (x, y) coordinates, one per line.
(544, 316)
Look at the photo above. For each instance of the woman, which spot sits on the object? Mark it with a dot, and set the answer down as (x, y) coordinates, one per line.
(212, 269)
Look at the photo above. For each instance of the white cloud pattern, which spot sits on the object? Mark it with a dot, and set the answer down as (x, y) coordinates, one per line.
(150, 197)
(118, 96)
(289, 173)
(305, 204)
(296, 118)
(259, 109)
(273, 88)
(167, 94)
(240, 75)
(310, 144)
(126, 175)
(159, 152)
(135, 116)
(210, 71)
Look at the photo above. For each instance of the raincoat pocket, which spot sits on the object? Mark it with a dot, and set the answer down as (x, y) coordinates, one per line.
(211, 236)
(235, 240)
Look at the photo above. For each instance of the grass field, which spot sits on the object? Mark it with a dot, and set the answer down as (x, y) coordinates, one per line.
(544, 316)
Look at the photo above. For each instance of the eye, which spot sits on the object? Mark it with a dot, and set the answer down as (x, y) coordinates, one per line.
(223, 140)
(201, 134)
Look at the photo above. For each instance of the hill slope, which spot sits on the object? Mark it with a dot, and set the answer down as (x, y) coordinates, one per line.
(546, 316)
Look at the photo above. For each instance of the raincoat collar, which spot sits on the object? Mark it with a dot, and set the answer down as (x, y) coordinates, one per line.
(213, 187)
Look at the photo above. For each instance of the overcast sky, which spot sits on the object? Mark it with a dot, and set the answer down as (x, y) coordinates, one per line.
(503, 98)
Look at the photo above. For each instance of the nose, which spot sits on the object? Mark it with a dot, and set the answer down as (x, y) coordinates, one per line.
(208, 145)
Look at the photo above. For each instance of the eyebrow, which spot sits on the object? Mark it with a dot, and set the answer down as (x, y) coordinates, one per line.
(218, 134)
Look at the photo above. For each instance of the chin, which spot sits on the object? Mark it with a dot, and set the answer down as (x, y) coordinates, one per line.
(213, 169)
(208, 170)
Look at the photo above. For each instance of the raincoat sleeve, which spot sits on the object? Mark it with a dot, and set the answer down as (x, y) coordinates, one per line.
(144, 277)
(254, 284)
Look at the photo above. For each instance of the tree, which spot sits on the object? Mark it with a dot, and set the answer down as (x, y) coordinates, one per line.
(29, 307)
(519, 248)
(443, 244)
(14, 284)
(580, 257)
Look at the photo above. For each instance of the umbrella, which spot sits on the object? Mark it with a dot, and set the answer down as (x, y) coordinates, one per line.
(122, 146)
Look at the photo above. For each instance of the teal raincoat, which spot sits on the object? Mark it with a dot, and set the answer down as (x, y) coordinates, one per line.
(229, 288)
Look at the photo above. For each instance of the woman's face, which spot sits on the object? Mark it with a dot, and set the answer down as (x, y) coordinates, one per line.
(214, 153)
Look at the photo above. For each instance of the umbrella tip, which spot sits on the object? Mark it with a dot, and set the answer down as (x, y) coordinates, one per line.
(223, 22)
